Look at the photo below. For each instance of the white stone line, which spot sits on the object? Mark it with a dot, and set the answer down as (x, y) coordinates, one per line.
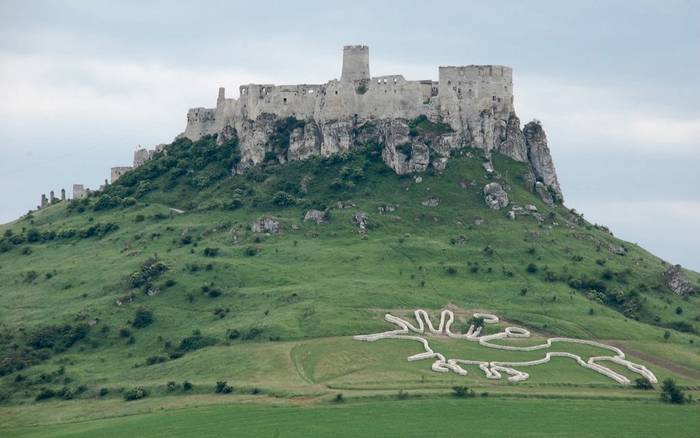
(494, 369)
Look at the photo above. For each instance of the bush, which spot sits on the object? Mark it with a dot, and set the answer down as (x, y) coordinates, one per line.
(45, 394)
(670, 393)
(339, 398)
(643, 383)
(211, 252)
(143, 318)
(251, 251)
(195, 342)
(171, 386)
(103, 392)
(152, 360)
(150, 269)
(186, 386)
(58, 338)
(402, 395)
(222, 388)
(462, 391)
(124, 332)
(531, 268)
(135, 393)
(283, 199)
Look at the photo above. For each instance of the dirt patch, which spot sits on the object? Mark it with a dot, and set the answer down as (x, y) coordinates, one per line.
(664, 363)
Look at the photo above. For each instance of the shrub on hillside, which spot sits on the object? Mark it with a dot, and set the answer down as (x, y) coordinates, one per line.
(143, 318)
(222, 387)
(150, 269)
(643, 383)
(462, 391)
(670, 393)
(135, 393)
(57, 338)
(211, 252)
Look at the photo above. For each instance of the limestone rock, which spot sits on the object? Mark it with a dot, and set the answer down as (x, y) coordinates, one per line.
(675, 279)
(495, 197)
(440, 164)
(345, 204)
(401, 152)
(266, 224)
(488, 166)
(361, 220)
(304, 142)
(544, 193)
(387, 208)
(431, 202)
(539, 157)
(317, 216)
(512, 139)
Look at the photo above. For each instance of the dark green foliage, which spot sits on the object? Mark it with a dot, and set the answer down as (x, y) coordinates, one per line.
(670, 393)
(531, 268)
(135, 393)
(279, 140)
(186, 386)
(57, 338)
(421, 125)
(45, 394)
(152, 360)
(103, 392)
(643, 383)
(462, 392)
(143, 318)
(222, 387)
(211, 252)
(195, 342)
(283, 199)
(106, 202)
(405, 149)
(339, 398)
(251, 251)
(150, 269)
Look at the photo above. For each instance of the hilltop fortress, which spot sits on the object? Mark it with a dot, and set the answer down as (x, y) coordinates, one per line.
(475, 101)
(473, 105)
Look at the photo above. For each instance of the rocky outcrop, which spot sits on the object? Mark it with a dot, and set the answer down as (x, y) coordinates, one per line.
(361, 221)
(403, 149)
(431, 202)
(539, 157)
(317, 216)
(512, 139)
(266, 225)
(544, 194)
(675, 279)
(495, 197)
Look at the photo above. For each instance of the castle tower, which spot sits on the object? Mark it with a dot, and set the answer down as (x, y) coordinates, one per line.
(44, 202)
(222, 96)
(52, 198)
(355, 63)
(63, 194)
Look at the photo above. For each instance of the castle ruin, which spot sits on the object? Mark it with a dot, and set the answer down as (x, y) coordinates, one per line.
(476, 101)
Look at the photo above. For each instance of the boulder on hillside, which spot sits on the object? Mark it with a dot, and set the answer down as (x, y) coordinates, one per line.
(544, 194)
(495, 197)
(266, 225)
(676, 280)
(431, 202)
(361, 220)
(317, 216)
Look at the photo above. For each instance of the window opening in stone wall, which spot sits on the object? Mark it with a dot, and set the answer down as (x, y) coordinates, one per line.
(285, 100)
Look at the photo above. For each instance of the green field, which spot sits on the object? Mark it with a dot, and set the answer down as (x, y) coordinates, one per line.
(405, 418)
(273, 314)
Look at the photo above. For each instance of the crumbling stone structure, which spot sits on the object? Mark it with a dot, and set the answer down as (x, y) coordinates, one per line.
(475, 101)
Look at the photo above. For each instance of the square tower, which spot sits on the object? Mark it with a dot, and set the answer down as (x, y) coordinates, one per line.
(355, 63)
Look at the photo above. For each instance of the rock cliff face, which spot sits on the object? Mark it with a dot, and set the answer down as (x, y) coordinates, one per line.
(404, 150)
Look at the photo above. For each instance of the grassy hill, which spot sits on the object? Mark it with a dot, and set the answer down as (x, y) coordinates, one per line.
(158, 282)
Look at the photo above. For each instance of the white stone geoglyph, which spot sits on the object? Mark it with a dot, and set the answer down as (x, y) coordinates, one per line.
(493, 369)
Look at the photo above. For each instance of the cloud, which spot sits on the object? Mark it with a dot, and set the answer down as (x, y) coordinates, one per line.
(597, 116)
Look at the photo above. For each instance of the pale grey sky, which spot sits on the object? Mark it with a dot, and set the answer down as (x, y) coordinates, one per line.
(616, 85)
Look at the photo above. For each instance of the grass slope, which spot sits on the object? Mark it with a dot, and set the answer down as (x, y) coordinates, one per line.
(272, 314)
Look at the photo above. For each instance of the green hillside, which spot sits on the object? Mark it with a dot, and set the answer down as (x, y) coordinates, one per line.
(158, 282)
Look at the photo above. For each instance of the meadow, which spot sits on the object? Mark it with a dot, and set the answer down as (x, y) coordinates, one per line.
(164, 284)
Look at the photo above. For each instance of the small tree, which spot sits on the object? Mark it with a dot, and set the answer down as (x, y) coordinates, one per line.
(670, 393)
(143, 318)
(462, 391)
(643, 383)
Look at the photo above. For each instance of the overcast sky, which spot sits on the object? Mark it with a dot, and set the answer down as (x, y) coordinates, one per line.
(615, 84)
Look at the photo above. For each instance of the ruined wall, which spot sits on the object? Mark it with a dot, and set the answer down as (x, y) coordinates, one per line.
(116, 172)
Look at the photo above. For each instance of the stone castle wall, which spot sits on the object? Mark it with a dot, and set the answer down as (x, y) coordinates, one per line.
(461, 98)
